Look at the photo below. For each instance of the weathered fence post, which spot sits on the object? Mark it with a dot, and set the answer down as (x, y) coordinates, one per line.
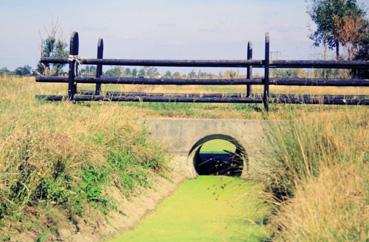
(268, 63)
(99, 68)
(266, 72)
(249, 68)
(73, 54)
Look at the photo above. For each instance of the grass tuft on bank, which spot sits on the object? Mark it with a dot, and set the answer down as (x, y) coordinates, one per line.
(58, 159)
(319, 173)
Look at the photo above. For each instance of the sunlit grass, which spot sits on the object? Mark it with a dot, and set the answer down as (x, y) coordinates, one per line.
(319, 156)
(319, 163)
(57, 159)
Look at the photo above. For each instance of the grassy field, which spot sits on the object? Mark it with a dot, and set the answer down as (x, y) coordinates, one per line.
(243, 111)
(207, 209)
(57, 160)
(319, 172)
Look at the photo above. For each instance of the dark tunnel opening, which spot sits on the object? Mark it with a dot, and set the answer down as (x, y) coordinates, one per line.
(218, 155)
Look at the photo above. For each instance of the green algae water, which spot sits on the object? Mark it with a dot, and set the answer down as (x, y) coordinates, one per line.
(206, 209)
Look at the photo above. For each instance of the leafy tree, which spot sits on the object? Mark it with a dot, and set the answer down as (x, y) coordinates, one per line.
(88, 71)
(363, 54)
(141, 72)
(326, 14)
(151, 72)
(23, 71)
(127, 72)
(52, 46)
(177, 75)
(168, 74)
(230, 74)
(4, 71)
(192, 74)
(201, 74)
(134, 72)
(350, 31)
(115, 72)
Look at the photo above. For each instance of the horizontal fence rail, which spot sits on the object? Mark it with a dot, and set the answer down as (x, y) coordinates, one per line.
(199, 81)
(215, 98)
(73, 79)
(305, 64)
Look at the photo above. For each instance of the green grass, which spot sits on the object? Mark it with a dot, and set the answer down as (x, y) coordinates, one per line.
(197, 110)
(206, 209)
(319, 162)
(58, 161)
(217, 146)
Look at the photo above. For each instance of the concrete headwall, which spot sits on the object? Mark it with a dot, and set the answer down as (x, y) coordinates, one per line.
(178, 136)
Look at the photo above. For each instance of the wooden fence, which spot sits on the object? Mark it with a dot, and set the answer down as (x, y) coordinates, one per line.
(73, 79)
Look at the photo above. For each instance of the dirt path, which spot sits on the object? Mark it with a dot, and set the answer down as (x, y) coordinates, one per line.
(206, 209)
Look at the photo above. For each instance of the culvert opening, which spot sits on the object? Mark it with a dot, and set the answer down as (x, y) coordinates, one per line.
(218, 155)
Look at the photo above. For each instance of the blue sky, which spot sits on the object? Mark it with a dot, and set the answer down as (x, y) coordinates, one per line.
(191, 29)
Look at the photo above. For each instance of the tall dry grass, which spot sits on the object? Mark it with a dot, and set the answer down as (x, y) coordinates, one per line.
(319, 172)
(330, 207)
(62, 157)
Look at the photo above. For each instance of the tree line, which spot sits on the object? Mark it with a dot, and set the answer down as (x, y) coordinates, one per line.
(19, 71)
(153, 72)
(341, 25)
(88, 70)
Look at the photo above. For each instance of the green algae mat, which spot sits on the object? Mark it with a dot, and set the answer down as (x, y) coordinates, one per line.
(207, 209)
(218, 146)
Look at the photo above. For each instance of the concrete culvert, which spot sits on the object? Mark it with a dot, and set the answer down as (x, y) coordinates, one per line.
(219, 155)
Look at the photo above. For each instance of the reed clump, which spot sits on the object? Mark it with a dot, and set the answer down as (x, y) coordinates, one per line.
(59, 159)
(319, 173)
